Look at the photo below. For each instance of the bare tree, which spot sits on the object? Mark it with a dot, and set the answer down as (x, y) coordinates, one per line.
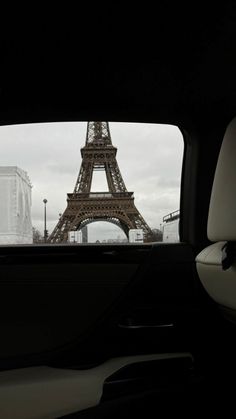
(37, 236)
(156, 235)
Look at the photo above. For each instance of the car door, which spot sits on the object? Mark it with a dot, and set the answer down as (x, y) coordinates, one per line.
(94, 329)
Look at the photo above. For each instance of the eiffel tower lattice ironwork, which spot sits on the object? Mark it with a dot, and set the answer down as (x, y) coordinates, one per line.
(83, 206)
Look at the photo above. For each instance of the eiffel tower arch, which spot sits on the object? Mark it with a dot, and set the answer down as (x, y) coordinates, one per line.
(83, 206)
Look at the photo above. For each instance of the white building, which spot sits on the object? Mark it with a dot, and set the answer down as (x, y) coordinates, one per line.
(75, 236)
(171, 227)
(15, 206)
(136, 235)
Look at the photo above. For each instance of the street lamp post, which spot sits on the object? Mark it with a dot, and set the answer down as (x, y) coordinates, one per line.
(45, 220)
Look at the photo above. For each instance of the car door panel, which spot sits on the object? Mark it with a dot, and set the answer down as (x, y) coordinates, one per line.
(78, 305)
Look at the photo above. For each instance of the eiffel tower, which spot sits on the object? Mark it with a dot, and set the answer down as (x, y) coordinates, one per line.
(83, 206)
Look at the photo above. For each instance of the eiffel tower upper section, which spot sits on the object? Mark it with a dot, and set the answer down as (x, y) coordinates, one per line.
(99, 154)
(83, 206)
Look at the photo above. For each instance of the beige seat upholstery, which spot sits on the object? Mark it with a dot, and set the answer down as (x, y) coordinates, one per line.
(220, 281)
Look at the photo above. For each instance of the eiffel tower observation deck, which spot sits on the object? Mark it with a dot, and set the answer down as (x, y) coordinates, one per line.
(83, 206)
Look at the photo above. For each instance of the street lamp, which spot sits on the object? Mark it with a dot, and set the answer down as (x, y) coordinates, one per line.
(45, 221)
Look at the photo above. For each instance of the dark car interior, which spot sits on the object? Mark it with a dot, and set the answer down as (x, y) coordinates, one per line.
(115, 331)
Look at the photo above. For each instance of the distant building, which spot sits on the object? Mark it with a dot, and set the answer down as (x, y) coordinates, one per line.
(78, 236)
(117, 240)
(15, 206)
(84, 234)
(171, 227)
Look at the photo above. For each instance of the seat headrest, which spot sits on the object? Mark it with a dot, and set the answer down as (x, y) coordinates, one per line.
(222, 210)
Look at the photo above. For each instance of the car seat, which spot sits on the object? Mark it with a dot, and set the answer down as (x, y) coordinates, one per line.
(216, 264)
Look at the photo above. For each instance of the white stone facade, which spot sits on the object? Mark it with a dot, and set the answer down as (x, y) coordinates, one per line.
(171, 231)
(15, 206)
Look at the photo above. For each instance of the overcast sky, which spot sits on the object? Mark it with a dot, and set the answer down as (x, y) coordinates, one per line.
(149, 157)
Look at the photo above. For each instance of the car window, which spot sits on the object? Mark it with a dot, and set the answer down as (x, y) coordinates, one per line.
(89, 182)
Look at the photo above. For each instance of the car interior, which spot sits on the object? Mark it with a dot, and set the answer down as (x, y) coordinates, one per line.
(119, 330)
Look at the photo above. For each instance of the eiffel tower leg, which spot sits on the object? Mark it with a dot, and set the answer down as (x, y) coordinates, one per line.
(84, 181)
(138, 222)
(60, 232)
